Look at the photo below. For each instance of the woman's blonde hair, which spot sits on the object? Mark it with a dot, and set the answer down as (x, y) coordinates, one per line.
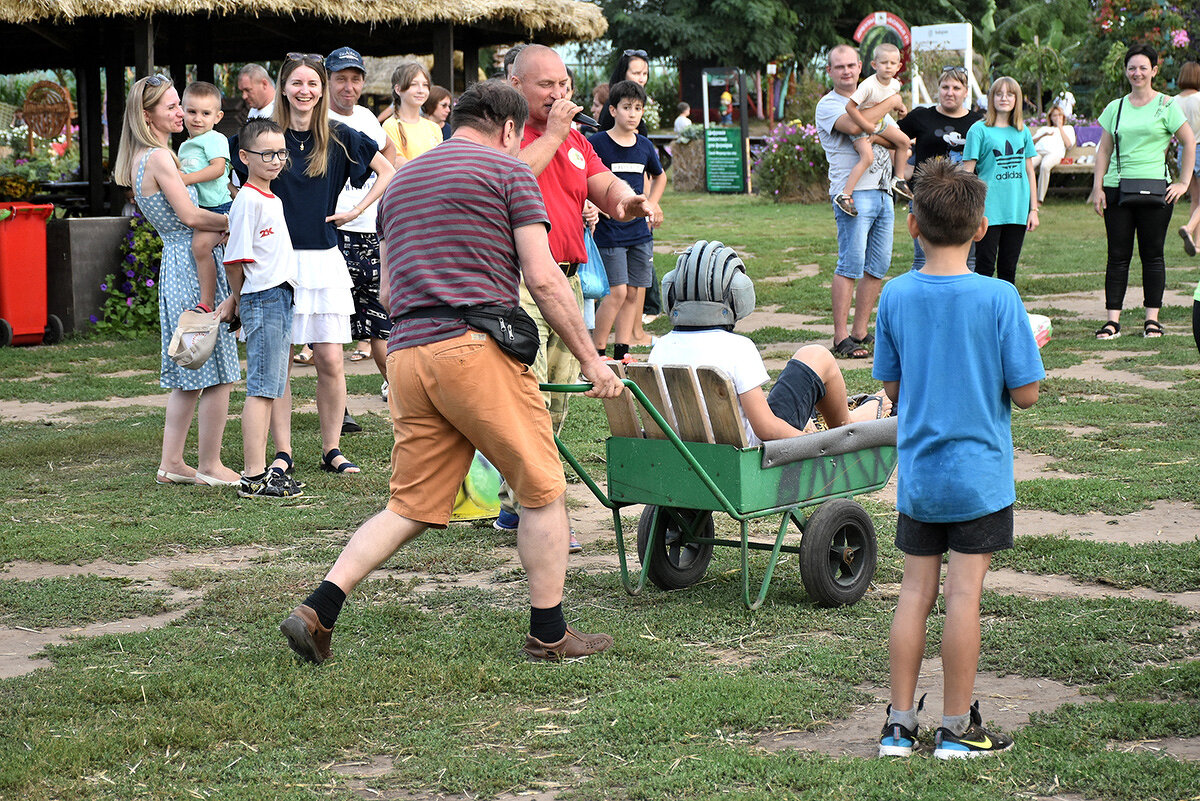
(402, 77)
(144, 95)
(317, 161)
(1017, 118)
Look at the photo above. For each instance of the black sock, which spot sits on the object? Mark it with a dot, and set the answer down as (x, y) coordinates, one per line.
(600, 352)
(259, 477)
(327, 600)
(548, 625)
(619, 351)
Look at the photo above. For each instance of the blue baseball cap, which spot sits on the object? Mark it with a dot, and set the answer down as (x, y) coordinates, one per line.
(345, 58)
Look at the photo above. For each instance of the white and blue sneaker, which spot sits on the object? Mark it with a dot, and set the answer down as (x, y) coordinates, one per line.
(896, 740)
(507, 521)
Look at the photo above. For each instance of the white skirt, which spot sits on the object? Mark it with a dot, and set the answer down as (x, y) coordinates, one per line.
(323, 303)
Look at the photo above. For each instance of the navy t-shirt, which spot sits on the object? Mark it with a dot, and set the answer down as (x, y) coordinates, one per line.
(308, 201)
(629, 164)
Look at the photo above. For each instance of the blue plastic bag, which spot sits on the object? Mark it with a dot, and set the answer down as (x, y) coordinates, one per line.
(593, 278)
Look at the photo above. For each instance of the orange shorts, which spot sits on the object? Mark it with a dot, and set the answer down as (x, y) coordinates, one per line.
(451, 398)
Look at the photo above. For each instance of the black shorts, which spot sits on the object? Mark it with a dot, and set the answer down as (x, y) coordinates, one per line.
(986, 534)
(361, 251)
(795, 396)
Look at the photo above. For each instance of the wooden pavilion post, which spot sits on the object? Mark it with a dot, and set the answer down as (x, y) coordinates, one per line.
(114, 80)
(470, 51)
(91, 156)
(443, 55)
(143, 47)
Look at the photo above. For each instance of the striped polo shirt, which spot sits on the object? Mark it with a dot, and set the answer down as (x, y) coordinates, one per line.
(448, 219)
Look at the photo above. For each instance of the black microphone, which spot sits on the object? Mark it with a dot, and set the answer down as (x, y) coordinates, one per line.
(584, 119)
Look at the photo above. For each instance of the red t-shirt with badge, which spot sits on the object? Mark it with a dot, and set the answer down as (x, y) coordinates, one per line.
(564, 188)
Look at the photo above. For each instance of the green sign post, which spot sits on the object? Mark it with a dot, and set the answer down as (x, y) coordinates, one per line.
(724, 163)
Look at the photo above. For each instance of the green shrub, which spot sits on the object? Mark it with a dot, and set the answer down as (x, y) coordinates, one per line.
(131, 297)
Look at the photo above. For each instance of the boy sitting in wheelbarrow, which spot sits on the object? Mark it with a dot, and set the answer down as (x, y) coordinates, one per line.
(705, 295)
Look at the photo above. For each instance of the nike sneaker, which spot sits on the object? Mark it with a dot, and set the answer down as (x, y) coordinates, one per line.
(976, 741)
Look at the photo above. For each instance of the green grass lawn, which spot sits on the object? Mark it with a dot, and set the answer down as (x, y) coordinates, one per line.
(429, 676)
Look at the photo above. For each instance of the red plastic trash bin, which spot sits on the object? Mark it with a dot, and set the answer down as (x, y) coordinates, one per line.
(23, 318)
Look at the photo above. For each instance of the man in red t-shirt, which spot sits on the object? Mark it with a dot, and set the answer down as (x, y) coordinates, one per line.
(568, 172)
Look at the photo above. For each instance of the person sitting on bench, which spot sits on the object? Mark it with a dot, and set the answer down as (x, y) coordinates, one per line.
(709, 291)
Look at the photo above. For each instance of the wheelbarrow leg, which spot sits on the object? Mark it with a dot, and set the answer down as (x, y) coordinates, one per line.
(771, 562)
(629, 587)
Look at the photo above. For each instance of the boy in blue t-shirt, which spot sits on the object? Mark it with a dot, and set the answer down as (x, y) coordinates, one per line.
(627, 247)
(204, 159)
(956, 489)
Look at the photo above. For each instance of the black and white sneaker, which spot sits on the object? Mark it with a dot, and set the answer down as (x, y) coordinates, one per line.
(271, 484)
(976, 741)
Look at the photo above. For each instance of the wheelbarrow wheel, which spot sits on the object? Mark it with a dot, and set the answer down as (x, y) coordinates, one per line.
(838, 553)
(675, 563)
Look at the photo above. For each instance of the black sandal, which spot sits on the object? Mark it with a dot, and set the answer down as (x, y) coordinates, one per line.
(866, 341)
(286, 458)
(1110, 330)
(1152, 329)
(848, 348)
(329, 467)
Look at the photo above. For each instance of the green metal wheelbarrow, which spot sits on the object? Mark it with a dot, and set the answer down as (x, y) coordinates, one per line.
(689, 458)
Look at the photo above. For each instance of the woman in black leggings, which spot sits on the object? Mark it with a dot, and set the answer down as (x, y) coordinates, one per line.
(1136, 130)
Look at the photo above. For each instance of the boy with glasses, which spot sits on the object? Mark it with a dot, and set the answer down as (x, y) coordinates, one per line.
(261, 267)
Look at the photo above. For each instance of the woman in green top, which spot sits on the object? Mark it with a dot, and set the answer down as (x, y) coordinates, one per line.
(1142, 131)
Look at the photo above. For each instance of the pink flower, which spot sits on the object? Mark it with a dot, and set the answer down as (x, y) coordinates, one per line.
(128, 301)
(1179, 38)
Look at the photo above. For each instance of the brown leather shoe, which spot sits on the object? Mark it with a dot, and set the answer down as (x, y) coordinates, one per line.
(306, 635)
(573, 644)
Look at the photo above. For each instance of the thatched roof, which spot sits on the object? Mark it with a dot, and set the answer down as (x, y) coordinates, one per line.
(560, 20)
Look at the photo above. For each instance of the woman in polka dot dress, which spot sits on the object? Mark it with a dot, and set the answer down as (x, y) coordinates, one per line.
(146, 163)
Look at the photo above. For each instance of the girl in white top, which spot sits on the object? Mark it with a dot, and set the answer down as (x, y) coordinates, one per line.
(1051, 142)
(1188, 101)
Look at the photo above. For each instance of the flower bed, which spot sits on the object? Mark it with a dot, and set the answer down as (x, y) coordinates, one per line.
(792, 165)
(130, 306)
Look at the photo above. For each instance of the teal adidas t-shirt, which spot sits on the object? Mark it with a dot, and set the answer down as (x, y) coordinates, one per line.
(195, 154)
(999, 155)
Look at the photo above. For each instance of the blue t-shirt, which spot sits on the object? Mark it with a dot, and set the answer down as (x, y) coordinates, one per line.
(999, 155)
(956, 344)
(195, 154)
(629, 164)
(308, 201)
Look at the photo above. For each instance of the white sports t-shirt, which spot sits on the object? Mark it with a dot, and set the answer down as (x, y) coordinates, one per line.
(361, 119)
(259, 240)
(736, 355)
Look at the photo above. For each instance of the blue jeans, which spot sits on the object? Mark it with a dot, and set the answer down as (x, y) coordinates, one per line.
(919, 256)
(267, 322)
(865, 241)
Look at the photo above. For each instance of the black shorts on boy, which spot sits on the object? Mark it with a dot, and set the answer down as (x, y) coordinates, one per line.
(988, 534)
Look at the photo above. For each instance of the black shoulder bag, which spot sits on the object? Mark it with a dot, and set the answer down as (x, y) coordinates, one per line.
(514, 331)
(1137, 191)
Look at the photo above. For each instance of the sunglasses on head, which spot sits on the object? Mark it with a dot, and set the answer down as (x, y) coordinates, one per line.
(317, 57)
(638, 53)
(157, 80)
(954, 69)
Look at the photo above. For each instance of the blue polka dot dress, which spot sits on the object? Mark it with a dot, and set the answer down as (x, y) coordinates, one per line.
(179, 290)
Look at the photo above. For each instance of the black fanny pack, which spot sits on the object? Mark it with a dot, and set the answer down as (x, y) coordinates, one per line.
(514, 331)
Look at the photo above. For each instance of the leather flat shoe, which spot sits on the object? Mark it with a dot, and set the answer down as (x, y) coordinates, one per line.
(574, 644)
(306, 636)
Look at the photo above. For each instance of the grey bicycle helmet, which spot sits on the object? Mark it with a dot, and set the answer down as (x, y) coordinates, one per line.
(708, 288)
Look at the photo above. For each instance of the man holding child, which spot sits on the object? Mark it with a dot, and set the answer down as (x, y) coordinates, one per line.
(865, 239)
